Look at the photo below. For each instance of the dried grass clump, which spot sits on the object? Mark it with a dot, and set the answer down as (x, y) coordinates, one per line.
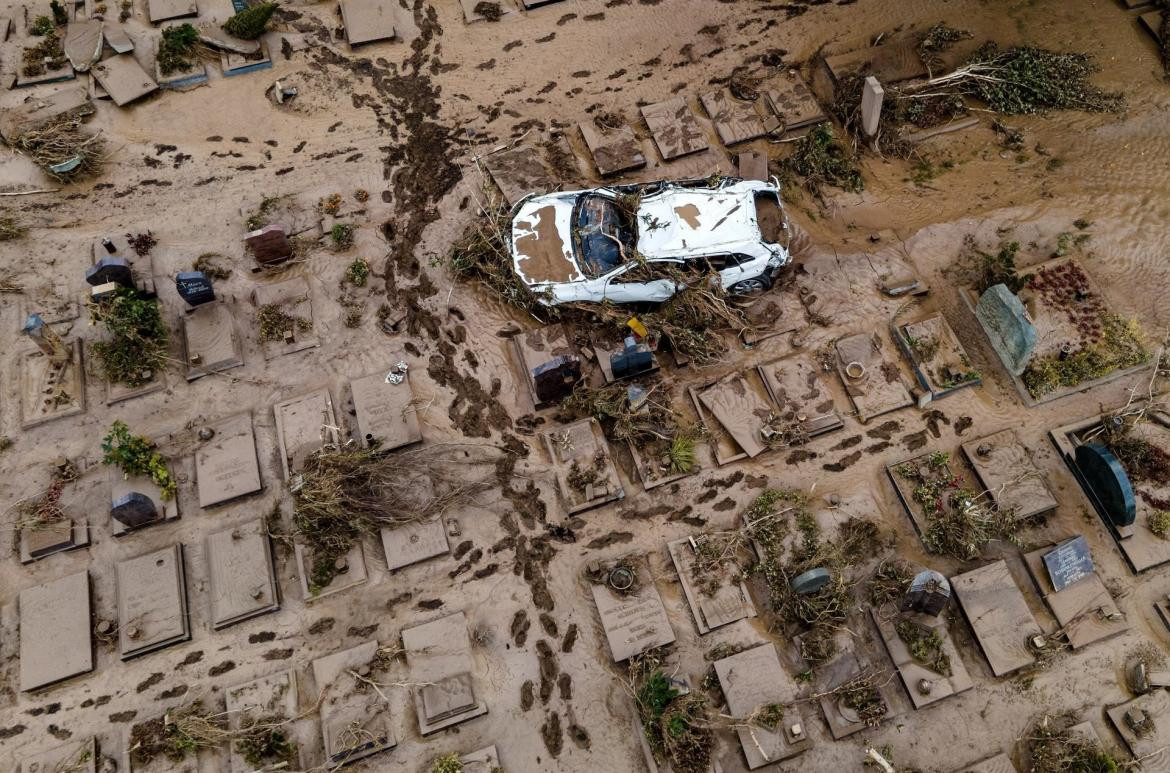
(676, 726)
(925, 645)
(820, 159)
(60, 141)
(1059, 751)
(11, 228)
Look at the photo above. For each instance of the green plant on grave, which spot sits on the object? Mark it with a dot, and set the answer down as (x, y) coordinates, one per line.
(41, 26)
(136, 455)
(249, 23)
(925, 645)
(1121, 345)
(820, 159)
(341, 235)
(137, 348)
(274, 322)
(447, 763)
(176, 50)
(681, 454)
(358, 272)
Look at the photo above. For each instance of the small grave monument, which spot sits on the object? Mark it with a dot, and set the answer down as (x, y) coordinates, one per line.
(1068, 563)
(226, 466)
(110, 269)
(439, 656)
(585, 473)
(1008, 327)
(269, 245)
(631, 609)
(152, 602)
(134, 510)
(194, 287)
(928, 594)
(355, 720)
(1073, 590)
(1106, 477)
(242, 581)
(999, 616)
(752, 680)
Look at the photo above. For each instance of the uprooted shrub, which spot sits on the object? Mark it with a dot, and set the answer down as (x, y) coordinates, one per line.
(137, 348)
(137, 455)
(249, 23)
(820, 159)
(676, 726)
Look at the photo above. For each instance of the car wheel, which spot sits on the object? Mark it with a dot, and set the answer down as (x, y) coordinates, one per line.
(753, 286)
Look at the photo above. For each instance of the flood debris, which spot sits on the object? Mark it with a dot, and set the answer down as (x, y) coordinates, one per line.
(674, 719)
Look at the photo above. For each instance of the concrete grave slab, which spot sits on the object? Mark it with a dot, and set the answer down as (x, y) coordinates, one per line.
(585, 473)
(164, 10)
(414, 542)
(790, 98)
(470, 15)
(238, 63)
(384, 412)
(486, 758)
(913, 672)
(928, 469)
(797, 386)
(123, 79)
(273, 696)
(73, 757)
(518, 171)
(998, 614)
(439, 656)
(752, 165)
(735, 121)
(50, 391)
(69, 534)
(741, 410)
(120, 393)
(367, 21)
(653, 465)
(355, 723)
(117, 39)
(751, 680)
(613, 151)
(152, 602)
(1152, 746)
(872, 381)
(226, 466)
(240, 573)
(1084, 610)
(62, 73)
(35, 113)
(534, 348)
(83, 43)
(55, 631)
(634, 621)
(890, 62)
(729, 602)
(675, 128)
(214, 35)
(1005, 469)
(304, 425)
(839, 672)
(354, 575)
(1000, 763)
(939, 361)
(294, 299)
(120, 486)
(211, 343)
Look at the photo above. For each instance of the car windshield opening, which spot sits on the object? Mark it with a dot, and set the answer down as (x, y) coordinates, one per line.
(603, 233)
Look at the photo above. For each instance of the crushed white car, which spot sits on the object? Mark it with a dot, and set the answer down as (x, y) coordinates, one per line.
(578, 245)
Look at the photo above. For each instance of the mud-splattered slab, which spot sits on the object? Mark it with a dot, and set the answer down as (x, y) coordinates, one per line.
(123, 79)
(385, 413)
(48, 390)
(226, 466)
(872, 381)
(735, 121)
(55, 637)
(797, 386)
(414, 542)
(304, 425)
(914, 673)
(751, 680)
(1006, 471)
(355, 720)
(367, 21)
(1152, 744)
(998, 614)
(718, 599)
(242, 583)
(267, 699)
(519, 171)
(1085, 610)
(163, 10)
(634, 620)
(891, 62)
(58, 537)
(73, 757)
(614, 150)
(439, 656)
(843, 669)
(486, 758)
(1000, 763)
(740, 410)
(292, 297)
(752, 165)
(939, 361)
(790, 98)
(352, 572)
(586, 476)
(211, 342)
(675, 128)
(152, 602)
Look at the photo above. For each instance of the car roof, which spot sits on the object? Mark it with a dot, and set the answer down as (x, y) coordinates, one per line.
(682, 222)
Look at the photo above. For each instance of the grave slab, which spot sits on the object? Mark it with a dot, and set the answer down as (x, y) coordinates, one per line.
(385, 412)
(613, 151)
(998, 614)
(354, 575)
(63, 73)
(675, 128)
(1000, 763)
(294, 299)
(304, 425)
(740, 410)
(152, 602)
(634, 621)
(751, 165)
(414, 542)
(73, 757)
(879, 388)
(65, 535)
(211, 342)
(367, 21)
(534, 348)
(439, 656)
(518, 171)
(164, 10)
(83, 43)
(911, 671)
(891, 62)
(273, 696)
(226, 466)
(798, 387)
(793, 102)
(729, 602)
(117, 39)
(123, 79)
(840, 671)
(585, 473)
(1005, 469)
(925, 469)
(486, 758)
(735, 121)
(238, 63)
(55, 631)
(51, 391)
(355, 723)
(179, 79)
(940, 363)
(240, 573)
(779, 311)
(1152, 746)
(751, 680)
(1084, 609)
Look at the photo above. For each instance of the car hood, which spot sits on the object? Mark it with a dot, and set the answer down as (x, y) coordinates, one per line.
(542, 249)
(682, 222)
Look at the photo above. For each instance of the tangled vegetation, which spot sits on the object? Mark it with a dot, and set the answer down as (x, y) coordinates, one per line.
(47, 55)
(342, 235)
(265, 742)
(925, 645)
(261, 215)
(358, 272)
(987, 269)
(481, 254)
(938, 39)
(1143, 461)
(137, 455)
(210, 267)
(1061, 751)
(45, 510)
(675, 725)
(1158, 522)
(274, 323)
(1120, 345)
(249, 24)
(63, 149)
(889, 582)
(11, 228)
(820, 159)
(176, 734)
(1026, 79)
(137, 348)
(177, 49)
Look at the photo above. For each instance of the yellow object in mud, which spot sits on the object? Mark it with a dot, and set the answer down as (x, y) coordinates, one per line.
(636, 325)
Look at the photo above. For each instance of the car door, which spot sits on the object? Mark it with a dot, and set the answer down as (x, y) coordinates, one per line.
(621, 287)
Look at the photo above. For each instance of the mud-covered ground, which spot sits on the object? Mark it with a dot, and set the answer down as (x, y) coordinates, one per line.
(404, 120)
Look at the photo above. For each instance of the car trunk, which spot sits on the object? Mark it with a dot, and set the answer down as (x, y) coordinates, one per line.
(770, 217)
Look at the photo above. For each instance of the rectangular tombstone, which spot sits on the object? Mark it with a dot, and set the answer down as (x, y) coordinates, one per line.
(241, 578)
(439, 656)
(55, 631)
(355, 723)
(304, 425)
(385, 412)
(152, 602)
(414, 542)
(999, 616)
(226, 466)
(752, 680)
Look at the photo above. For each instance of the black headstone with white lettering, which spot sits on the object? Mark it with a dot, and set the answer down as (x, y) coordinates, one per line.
(111, 269)
(194, 287)
(633, 359)
(134, 510)
(1069, 562)
(929, 593)
(556, 378)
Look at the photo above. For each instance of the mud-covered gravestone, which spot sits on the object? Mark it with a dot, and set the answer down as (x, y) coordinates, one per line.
(549, 364)
(716, 597)
(849, 691)
(585, 472)
(1006, 471)
(384, 411)
(926, 683)
(518, 171)
(735, 121)
(803, 399)
(268, 700)
(999, 615)
(242, 583)
(55, 631)
(348, 571)
(226, 466)
(793, 103)
(368, 21)
(614, 149)
(304, 425)
(675, 128)
(70, 497)
(631, 610)
(124, 80)
(1144, 725)
(152, 602)
(284, 315)
(355, 720)
(165, 10)
(439, 656)
(872, 381)
(1079, 600)
(137, 502)
(940, 363)
(211, 343)
(72, 757)
(414, 542)
(741, 411)
(753, 681)
(52, 380)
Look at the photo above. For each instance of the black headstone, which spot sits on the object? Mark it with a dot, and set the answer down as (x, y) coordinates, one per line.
(134, 510)
(556, 378)
(194, 287)
(1069, 562)
(1105, 476)
(635, 358)
(111, 269)
(929, 593)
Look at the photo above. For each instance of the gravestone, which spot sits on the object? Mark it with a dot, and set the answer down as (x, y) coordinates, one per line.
(872, 96)
(134, 510)
(269, 245)
(1006, 322)
(194, 287)
(110, 269)
(811, 581)
(1105, 476)
(634, 358)
(929, 593)
(555, 379)
(1069, 562)
(46, 340)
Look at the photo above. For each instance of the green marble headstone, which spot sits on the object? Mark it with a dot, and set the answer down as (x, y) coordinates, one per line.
(1104, 474)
